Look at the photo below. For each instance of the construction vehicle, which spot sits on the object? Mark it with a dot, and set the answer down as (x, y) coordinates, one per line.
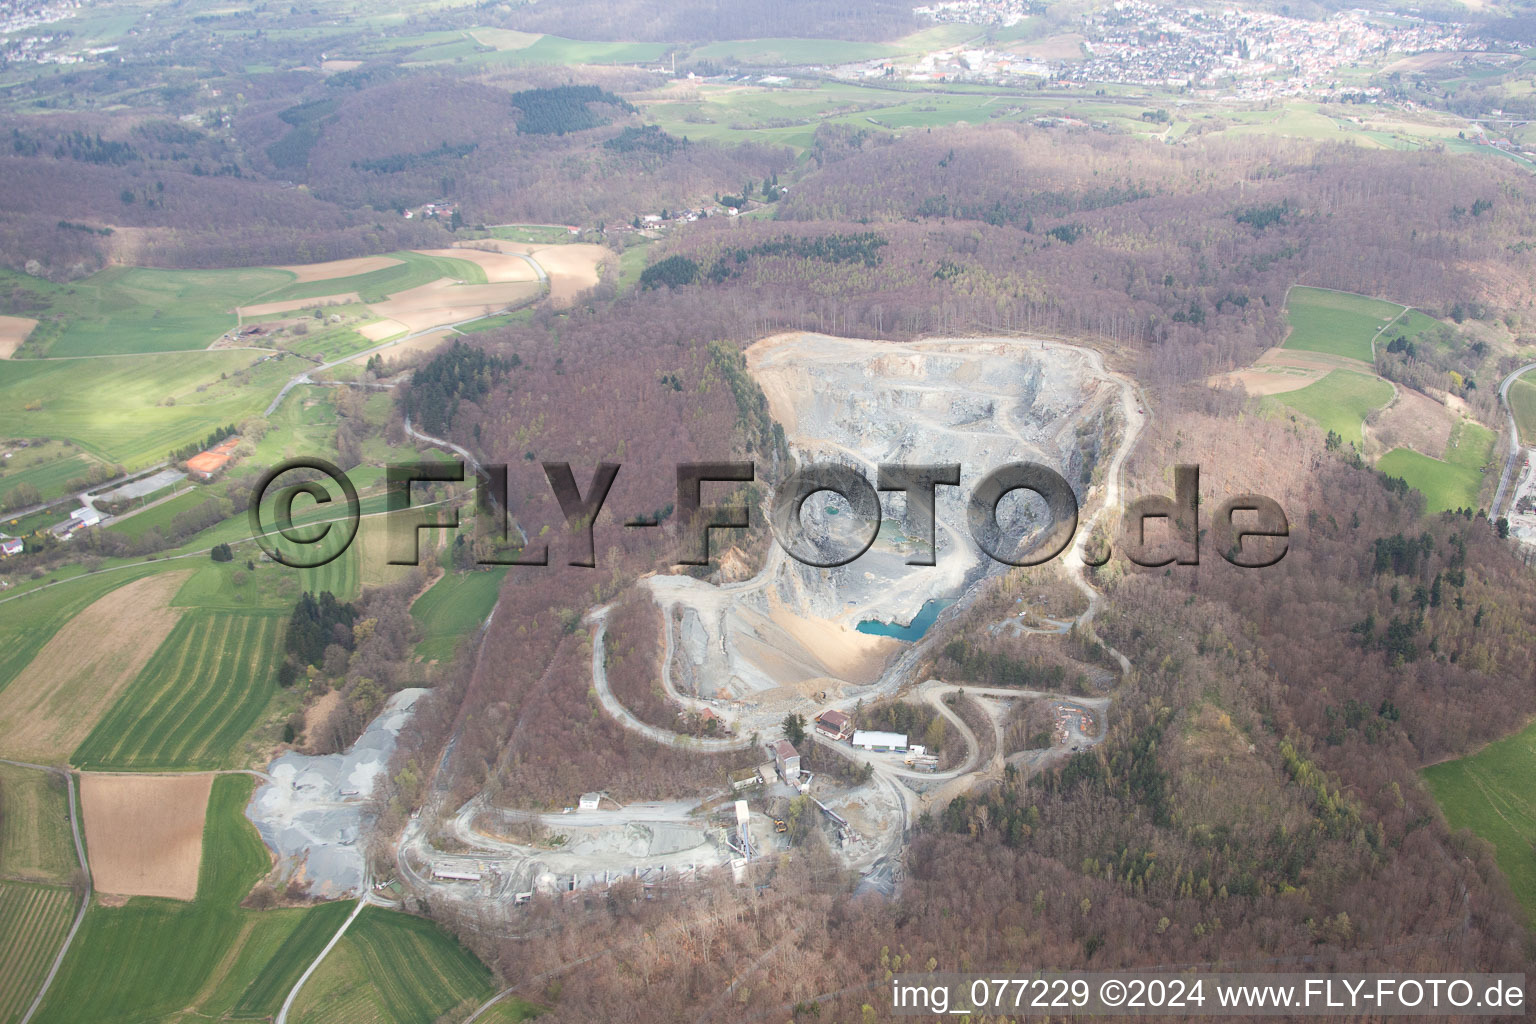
(780, 825)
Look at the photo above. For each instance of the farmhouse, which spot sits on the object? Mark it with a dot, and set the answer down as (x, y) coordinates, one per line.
(11, 546)
(883, 741)
(786, 760)
(834, 724)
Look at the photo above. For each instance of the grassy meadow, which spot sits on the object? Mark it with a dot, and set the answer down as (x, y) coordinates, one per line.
(1340, 402)
(1338, 323)
(1449, 483)
(1490, 793)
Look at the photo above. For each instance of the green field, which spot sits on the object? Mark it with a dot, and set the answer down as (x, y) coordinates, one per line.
(202, 690)
(287, 961)
(159, 959)
(157, 402)
(1340, 402)
(35, 842)
(1339, 323)
(565, 52)
(413, 269)
(48, 466)
(1491, 793)
(539, 234)
(1522, 402)
(33, 920)
(132, 309)
(233, 854)
(453, 608)
(1449, 483)
(159, 517)
(394, 968)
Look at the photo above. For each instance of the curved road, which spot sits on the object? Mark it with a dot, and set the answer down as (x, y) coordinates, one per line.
(599, 619)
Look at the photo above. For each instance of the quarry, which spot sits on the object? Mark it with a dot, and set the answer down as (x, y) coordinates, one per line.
(800, 639)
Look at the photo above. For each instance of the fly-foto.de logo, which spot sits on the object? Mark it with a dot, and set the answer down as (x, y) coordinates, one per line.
(1248, 530)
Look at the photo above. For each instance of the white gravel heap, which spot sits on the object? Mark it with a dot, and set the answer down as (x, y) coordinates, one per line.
(313, 810)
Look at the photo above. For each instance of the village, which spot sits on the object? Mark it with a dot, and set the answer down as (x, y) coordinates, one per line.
(1227, 53)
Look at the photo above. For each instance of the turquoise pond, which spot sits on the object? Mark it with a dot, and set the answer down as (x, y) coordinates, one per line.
(912, 631)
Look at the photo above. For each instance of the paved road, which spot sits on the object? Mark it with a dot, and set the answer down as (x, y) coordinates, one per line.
(1514, 441)
(282, 1015)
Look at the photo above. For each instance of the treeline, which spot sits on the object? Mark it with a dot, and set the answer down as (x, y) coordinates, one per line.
(677, 271)
(1442, 360)
(186, 451)
(964, 659)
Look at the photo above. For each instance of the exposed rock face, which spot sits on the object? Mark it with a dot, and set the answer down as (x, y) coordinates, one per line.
(980, 403)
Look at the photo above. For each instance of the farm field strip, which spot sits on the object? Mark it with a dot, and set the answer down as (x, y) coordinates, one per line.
(411, 270)
(392, 967)
(198, 695)
(35, 843)
(33, 920)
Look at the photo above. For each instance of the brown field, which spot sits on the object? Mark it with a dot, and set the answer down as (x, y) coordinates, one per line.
(330, 67)
(145, 832)
(572, 269)
(264, 308)
(499, 267)
(442, 302)
(50, 707)
(1280, 370)
(1415, 421)
(306, 272)
(381, 330)
(13, 331)
(395, 353)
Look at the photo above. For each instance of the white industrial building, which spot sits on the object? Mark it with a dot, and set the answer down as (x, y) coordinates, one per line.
(880, 740)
